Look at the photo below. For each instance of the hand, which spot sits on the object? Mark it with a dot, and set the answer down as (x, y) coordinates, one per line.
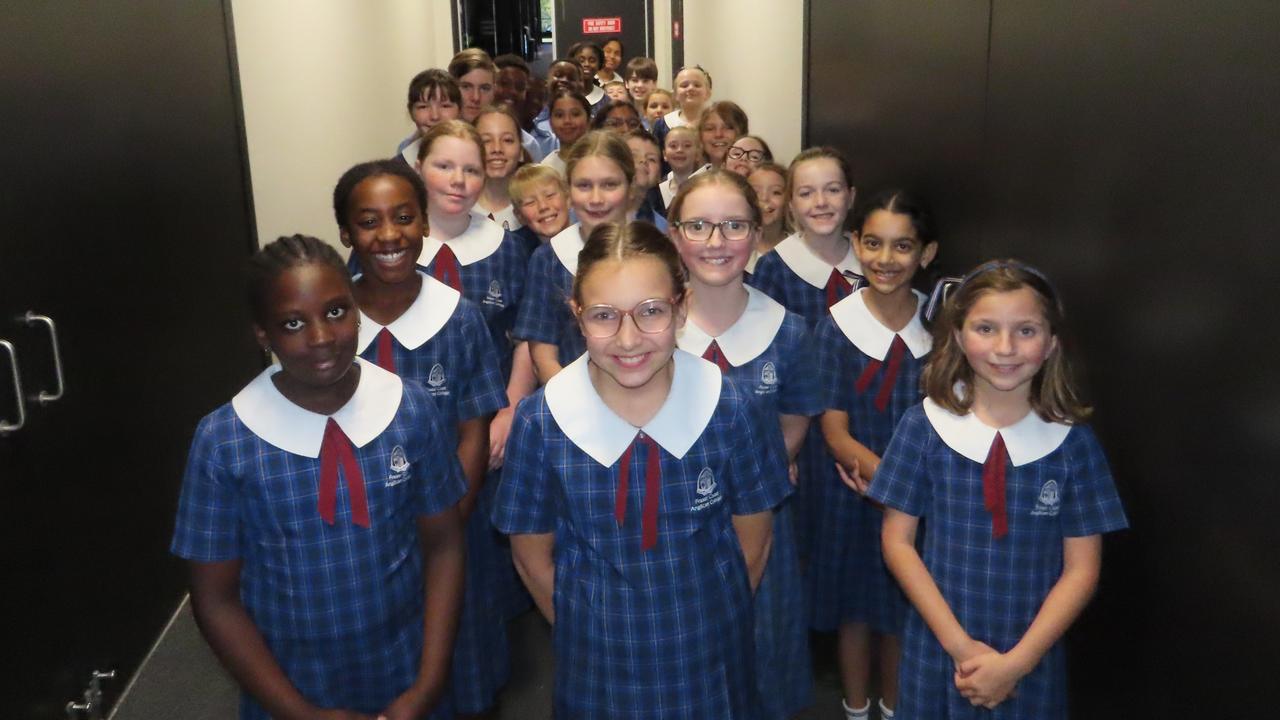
(853, 479)
(499, 429)
(793, 473)
(411, 705)
(988, 679)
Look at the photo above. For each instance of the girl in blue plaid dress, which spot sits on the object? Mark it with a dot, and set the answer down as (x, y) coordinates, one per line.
(314, 506)
(756, 342)
(1016, 492)
(426, 332)
(600, 169)
(871, 348)
(638, 491)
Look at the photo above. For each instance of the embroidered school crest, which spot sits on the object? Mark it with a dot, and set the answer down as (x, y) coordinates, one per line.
(494, 296)
(436, 377)
(399, 467)
(708, 491)
(1047, 503)
(768, 379)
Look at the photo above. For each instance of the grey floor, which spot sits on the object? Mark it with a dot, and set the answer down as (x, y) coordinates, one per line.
(182, 679)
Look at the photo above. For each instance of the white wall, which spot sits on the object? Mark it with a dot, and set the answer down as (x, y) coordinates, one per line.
(755, 54)
(323, 84)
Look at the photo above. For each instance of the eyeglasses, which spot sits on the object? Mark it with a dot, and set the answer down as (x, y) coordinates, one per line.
(650, 316)
(628, 123)
(755, 156)
(731, 231)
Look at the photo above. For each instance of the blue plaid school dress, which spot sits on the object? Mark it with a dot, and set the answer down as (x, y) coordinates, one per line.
(768, 353)
(1057, 485)
(340, 606)
(493, 266)
(647, 625)
(873, 374)
(545, 316)
(440, 342)
(804, 284)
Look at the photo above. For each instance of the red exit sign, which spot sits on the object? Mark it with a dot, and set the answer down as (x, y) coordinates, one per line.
(601, 26)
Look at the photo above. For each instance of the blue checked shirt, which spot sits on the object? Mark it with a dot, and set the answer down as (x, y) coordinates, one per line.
(994, 587)
(663, 633)
(545, 315)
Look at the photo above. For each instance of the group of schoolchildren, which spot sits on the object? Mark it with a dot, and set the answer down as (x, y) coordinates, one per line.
(594, 351)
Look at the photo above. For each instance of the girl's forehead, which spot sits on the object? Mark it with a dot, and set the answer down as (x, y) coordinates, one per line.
(716, 196)
(819, 170)
(748, 143)
(454, 148)
(625, 282)
(1020, 304)
(495, 121)
(596, 166)
(564, 101)
(765, 178)
(479, 75)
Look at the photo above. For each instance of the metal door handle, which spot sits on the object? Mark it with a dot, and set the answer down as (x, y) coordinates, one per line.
(44, 397)
(8, 427)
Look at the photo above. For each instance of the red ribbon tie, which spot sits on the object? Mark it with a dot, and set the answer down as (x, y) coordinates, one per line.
(335, 450)
(652, 488)
(386, 360)
(993, 488)
(716, 355)
(445, 267)
(897, 350)
(838, 287)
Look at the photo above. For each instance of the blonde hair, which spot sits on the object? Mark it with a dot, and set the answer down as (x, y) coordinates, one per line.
(529, 177)
(948, 377)
(622, 241)
(505, 110)
(601, 143)
(659, 91)
(460, 129)
(720, 178)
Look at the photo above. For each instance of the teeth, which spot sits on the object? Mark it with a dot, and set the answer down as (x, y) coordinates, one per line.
(716, 261)
(632, 360)
(390, 257)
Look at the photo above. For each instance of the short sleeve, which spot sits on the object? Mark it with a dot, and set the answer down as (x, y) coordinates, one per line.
(1090, 504)
(523, 503)
(901, 480)
(831, 353)
(207, 526)
(800, 391)
(766, 277)
(542, 308)
(482, 390)
(439, 479)
(757, 474)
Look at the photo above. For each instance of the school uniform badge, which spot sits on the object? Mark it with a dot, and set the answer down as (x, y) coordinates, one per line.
(768, 379)
(494, 296)
(708, 491)
(1047, 504)
(399, 467)
(436, 380)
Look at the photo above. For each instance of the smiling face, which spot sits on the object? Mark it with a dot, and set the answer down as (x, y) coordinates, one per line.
(311, 324)
(1006, 339)
(454, 175)
(771, 191)
(717, 135)
(820, 197)
(681, 152)
(745, 148)
(512, 87)
(501, 140)
(428, 112)
(568, 120)
(598, 191)
(657, 105)
(715, 262)
(639, 87)
(630, 359)
(565, 75)
(617, 92)
(890, 252)
(384, 228)
(612, 55)
(692, 91)
(648, 162)
(477, 91)
(587, 60)
(545, 209)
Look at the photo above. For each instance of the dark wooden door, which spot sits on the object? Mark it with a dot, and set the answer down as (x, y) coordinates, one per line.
(636, 17)
(124, 186)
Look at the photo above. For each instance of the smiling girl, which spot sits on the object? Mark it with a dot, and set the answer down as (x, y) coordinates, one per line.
(500, 132)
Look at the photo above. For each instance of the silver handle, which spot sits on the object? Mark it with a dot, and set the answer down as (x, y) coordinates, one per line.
(7, 427)
(33, 319)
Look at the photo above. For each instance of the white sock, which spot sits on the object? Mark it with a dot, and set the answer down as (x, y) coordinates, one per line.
(861, 714)
(885, 713)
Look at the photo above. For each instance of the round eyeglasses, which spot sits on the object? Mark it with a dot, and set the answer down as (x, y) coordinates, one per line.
(737, 153)
(650, 316)
(731, 231)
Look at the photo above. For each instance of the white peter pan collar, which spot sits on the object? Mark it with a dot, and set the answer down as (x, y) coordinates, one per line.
(410, 153)
(1027, 440)
(425, 317)
(750, 335)
(674, 120)
(600, 433)
(594, 96)
(481, 239)
(275, 419)
(506, 215)
(566, 245)
(811, 268)
(855, 320)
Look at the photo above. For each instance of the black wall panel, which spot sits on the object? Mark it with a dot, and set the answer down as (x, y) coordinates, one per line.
(1132, 151)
